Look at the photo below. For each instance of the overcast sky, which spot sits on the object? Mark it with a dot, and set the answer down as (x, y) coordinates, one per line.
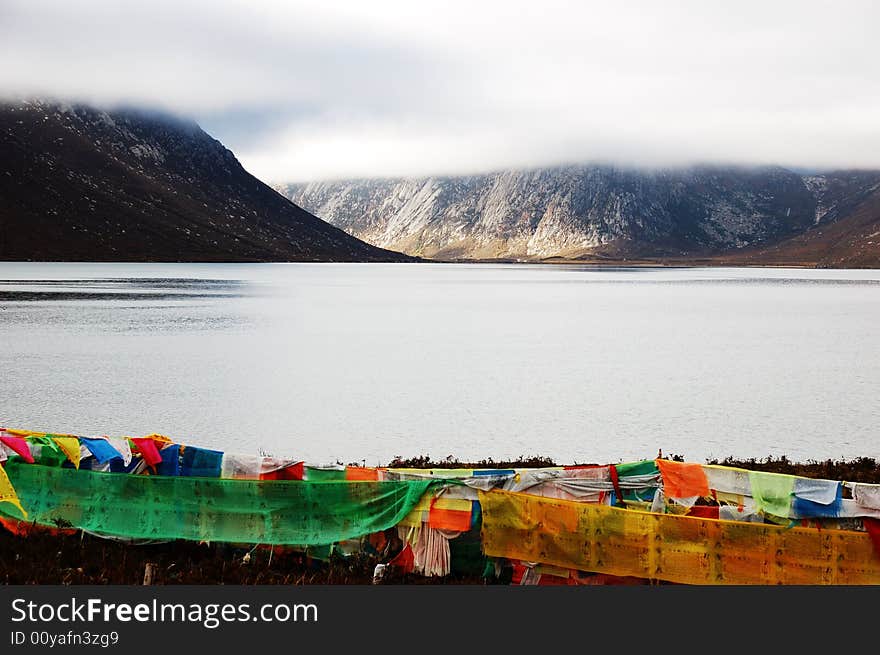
(306, 90)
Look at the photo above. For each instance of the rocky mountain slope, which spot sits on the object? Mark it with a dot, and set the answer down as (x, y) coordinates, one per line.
(78, 183)
(589, 211)
(850, 238)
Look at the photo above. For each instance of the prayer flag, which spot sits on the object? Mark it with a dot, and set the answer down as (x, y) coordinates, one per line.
(19, 446)
(683, 479)
(148, 450)
(7, 492)
(101, 449)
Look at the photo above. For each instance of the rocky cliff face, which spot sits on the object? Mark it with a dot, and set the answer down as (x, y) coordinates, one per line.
(577, 211)
(78, 183)
(846, 234)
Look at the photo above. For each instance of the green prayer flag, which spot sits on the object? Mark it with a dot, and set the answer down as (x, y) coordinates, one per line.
(48, 456)
(45, 441)
(772, 492)
(288, 512)
(313, 474)
(644, 467)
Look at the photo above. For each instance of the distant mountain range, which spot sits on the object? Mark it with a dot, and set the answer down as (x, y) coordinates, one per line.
(707, 214)
(81, 184)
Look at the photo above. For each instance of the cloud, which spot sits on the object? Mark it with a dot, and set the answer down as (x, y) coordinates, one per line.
(308, 90)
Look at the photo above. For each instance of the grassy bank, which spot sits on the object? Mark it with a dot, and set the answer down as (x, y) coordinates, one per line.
(72, 559)
(860, 469)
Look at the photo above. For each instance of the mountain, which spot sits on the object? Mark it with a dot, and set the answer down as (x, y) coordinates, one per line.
(850, 238)
(592, 211)
(82, 184)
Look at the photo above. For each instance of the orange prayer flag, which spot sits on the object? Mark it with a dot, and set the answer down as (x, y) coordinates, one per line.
(23, 433)
(361, 473)
(683, 479)
(449, 519)
(25, 529)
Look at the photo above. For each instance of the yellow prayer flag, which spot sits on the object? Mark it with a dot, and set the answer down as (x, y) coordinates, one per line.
(160, 438)
(682, 549)
(422, 509)
(24, 433)
(70, 447)
(7, 492)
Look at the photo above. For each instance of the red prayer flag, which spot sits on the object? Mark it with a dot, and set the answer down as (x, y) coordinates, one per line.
(292, 472)
(872, 526)
(20, 446)
(405, 560)
(148, 450)
(704, 511)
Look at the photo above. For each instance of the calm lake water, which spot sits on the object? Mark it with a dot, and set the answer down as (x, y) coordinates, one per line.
(363, 362)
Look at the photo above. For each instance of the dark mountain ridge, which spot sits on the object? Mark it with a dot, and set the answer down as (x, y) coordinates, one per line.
(83, 184)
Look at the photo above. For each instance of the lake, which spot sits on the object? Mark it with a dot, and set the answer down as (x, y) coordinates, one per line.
(364, 362)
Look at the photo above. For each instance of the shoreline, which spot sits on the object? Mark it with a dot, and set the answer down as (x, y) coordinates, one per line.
(597, 262)
(856, 469)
